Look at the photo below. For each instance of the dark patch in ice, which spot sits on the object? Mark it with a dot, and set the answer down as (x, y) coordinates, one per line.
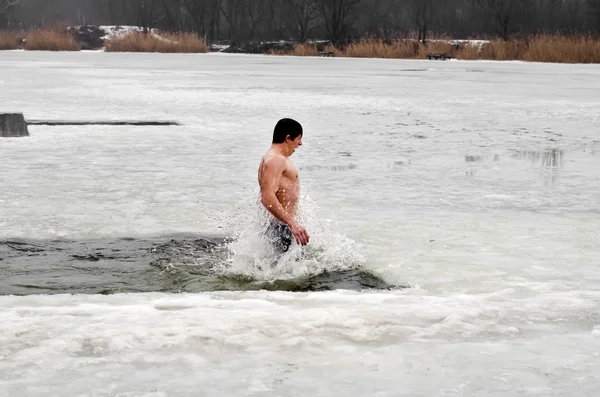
(546, 158)
(344, 167)
(552, 132)
(345, 154)
(472, 159)
(100, 122)
(419, 136)
(399, 163)
(550, 162)
(520, 131)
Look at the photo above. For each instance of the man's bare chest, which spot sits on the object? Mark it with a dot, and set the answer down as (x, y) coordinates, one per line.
(290, 173)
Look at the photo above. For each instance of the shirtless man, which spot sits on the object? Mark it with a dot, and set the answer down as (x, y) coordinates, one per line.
(280, 187)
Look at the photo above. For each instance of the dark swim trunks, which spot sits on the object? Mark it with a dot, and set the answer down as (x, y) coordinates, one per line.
(280, 235)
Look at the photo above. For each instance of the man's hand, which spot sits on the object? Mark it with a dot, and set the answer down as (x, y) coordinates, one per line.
(300, 234)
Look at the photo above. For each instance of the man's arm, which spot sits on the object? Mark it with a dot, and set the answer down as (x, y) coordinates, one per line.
(271, 176)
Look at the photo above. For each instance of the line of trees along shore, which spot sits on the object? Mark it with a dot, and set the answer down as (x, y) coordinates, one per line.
(339, 21)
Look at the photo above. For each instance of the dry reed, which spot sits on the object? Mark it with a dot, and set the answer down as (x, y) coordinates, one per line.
(469, 52)
(305, 49)
(50, 40)
(560, 49)
(9, 41)
(150, 42)
(543, 48)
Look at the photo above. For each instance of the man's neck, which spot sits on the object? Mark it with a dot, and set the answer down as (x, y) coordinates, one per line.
(280, 149)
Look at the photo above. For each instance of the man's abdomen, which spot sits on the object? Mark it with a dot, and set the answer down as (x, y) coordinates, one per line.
(288, 197)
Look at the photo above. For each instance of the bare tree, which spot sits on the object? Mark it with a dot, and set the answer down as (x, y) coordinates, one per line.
(277, 23)
(176, 16)
(6, 7)
(204, 15)
(146, 14)
(143, 13)
(6, 4)
(422, 11)
(149, 13)
(336, 15)
(338, 20)
(230, 9)
(503, 12)
(594, 7)
(572, 15)
(303, 14)
(254, 12)
(456, 16)
(395, 17)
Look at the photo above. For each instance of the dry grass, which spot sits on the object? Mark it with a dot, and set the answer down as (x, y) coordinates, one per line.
(299, 50)
(10, 41)
(543, 48)
(397, 48)
(168, 42)
(373, 48)
(50, 40)
(333, 49)
(439, 47)
(500, 50)
(583, 49)
(305, 50)
(469, 52)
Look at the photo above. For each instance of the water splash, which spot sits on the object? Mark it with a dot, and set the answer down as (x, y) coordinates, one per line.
(250, 253)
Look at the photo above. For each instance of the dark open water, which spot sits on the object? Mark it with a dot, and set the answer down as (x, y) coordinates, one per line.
(179, 264)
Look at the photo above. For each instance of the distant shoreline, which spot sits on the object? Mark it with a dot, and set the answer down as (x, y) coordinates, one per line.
(540, 48)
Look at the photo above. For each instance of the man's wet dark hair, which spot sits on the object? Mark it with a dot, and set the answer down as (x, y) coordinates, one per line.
(285, 127)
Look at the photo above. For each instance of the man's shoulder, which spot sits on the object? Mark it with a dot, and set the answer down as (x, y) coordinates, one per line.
(274, 159)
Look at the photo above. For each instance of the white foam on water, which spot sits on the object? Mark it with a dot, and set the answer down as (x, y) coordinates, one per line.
(252, 254)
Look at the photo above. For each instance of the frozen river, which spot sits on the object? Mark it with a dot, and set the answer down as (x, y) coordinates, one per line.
(474, 186)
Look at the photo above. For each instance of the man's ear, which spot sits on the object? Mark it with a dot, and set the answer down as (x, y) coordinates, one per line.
(288, 138)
